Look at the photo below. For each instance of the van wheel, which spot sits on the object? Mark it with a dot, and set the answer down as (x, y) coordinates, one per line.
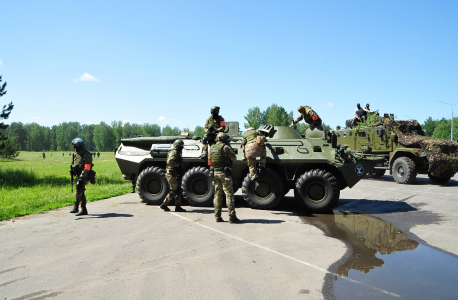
(436, 179)
(152, 186)
(404, 170)
(318, 190)
(267, 193)
(197, 186)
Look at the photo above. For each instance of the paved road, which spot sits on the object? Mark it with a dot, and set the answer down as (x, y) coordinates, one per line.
(129, 250)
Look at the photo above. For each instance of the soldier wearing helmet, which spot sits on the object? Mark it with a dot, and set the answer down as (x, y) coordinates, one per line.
(253, 144)
(309, 116)
(173, 173)
(213, 125)
(220, 161)
(81, 167)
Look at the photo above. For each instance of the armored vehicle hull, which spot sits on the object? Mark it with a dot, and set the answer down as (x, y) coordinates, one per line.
(313, 167)
(405, 150)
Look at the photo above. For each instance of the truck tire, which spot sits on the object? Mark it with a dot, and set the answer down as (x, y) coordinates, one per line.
(377, 173)
(152, 186)
(318, 190)
(404, 170)
(436, 179)
(197, 186)
(267, 194)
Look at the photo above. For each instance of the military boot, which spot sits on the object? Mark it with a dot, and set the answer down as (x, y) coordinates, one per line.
(219, 219)
(179, 208)
(235, 220)
(164, 207)
(75, 208)
(83, 211)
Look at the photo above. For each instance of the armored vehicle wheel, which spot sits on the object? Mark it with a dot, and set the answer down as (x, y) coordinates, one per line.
(318, 190)
(197, 186)
(267, 194)
(377, 173)
(152, 186)
(436, 179)
(404, 170)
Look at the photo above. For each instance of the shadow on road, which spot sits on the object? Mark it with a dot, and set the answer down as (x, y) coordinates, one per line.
(103, 216)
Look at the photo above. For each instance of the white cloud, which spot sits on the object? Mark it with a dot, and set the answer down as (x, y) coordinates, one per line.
(87, 77)
(52, 99)
(330, 104)
(35, 118)
(1, 62)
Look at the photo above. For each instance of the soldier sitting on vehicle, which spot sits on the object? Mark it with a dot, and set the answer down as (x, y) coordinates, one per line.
(360, 117)
(213, 125)
(309, 116)
(253, 144)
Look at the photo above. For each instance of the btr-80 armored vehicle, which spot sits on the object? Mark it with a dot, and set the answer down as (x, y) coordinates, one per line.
(314, 166)
(405, 149)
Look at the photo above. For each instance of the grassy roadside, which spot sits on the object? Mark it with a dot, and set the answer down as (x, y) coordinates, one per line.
(31, 184)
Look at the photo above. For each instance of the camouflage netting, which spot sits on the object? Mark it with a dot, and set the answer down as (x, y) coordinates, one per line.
(442, 154)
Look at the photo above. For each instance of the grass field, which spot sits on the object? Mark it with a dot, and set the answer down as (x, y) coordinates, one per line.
(31, 184)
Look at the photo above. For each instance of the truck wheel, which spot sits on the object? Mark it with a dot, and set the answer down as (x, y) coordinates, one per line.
(152, 186)
(318, 190)
(377, 173)
(404, 170)
(436, 179)
(197, 186)
(266, 194)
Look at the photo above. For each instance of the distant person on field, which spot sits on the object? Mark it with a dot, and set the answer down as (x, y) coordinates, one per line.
(44, 155)
(98, 154)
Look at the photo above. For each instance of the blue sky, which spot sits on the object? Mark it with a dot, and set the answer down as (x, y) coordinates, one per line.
(169, 62)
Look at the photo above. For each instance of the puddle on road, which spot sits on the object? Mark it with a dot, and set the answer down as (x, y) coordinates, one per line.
(384, 258)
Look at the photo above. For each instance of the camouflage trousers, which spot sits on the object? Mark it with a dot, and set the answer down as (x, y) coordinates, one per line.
(81, 197)
(223, 186)
(252, 151)
(210, 141)
(174, 186)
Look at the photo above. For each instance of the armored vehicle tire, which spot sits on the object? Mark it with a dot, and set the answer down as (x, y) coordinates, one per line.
(152, 186)
(318, 190)
(377, 173)
(267, 194)
(197, 186)
(404, 170)
(436, 179)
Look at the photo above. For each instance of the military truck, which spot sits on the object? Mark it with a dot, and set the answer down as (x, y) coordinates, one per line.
(314, 166)
(404, 159)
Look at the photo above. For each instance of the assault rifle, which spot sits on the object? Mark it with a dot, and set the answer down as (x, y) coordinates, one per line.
(72, 170)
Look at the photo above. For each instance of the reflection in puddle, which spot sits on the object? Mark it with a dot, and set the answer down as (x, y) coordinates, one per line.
(383, 257)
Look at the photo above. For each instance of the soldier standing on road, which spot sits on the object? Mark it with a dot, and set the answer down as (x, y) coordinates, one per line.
(309, 116)
(214, 125)
(82, 166)
(253, 144)
(174, 169)
(220, 162)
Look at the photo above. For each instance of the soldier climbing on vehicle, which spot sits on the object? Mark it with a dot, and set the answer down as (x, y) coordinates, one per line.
(253, 145)
(213, 125)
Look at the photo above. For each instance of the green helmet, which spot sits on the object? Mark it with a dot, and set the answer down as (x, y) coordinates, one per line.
(222, 137)
(178, 143)
(213, 109)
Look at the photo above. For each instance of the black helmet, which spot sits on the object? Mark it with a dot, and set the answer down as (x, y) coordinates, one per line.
(367, 105)
(178, 143)
(358, 105)
(222, 137)
(78, 142)
(214, 109)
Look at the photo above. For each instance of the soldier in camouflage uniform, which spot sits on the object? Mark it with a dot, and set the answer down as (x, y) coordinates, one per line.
(253, 144)
(309, 116)
(81, 166)
(214, 125)
(174, 163)
(220, 162)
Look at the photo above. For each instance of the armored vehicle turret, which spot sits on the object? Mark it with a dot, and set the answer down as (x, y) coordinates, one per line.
(314, 166)
(405, 149)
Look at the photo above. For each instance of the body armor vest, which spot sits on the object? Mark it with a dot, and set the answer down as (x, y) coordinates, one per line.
(250, 136)
(218, 160)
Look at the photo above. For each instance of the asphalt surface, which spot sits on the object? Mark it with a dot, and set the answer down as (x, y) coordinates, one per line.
(128, 250)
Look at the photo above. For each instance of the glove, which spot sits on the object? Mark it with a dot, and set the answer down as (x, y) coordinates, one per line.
(80, 183)
(212, 172)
